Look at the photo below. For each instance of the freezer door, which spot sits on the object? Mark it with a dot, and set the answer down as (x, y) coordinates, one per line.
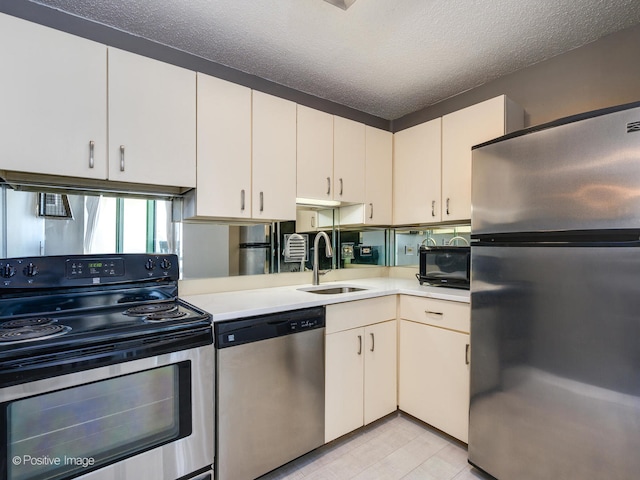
(555, 362)
(582, 175)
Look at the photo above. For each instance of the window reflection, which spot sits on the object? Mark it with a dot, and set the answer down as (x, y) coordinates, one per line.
(99, 224)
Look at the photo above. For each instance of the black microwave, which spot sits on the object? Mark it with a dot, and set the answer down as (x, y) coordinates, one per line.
(445, 266)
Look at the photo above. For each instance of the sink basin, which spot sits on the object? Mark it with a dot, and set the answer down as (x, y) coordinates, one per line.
(332, 289)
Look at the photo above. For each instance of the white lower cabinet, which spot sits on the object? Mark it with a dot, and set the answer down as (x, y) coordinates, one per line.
(434, 363)
(360, 364)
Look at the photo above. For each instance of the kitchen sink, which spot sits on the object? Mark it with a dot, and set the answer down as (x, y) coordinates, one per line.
(332, 289)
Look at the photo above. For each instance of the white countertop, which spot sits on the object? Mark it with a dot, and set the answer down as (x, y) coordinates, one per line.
(246, 303)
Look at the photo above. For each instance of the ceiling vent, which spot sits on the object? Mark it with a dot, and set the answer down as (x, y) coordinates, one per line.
(343, 4)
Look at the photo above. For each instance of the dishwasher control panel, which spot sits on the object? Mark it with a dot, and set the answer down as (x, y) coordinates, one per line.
(254, 329)
(298, 325)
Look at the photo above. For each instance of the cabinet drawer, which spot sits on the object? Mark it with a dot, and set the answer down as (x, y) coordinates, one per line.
(439, 313)
(344, 316)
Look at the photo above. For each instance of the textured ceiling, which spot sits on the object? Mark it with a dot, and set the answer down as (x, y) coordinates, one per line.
(384, 57)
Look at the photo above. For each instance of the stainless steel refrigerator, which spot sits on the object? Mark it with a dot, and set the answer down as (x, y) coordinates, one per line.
(555, 300)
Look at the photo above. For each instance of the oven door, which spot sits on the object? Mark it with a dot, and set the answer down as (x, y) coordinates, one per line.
(146, 418)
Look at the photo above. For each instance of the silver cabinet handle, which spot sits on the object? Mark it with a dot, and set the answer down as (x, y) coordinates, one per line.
(433, 208)
(359, 344)
(447, 206)
(262, 201)
(242, 205)
(429, 312)
(371, 214)
(122, 158)
(313, 222)
(341, 186)
(373, 342)
(92, 146)
(328, 185)
(466, 354)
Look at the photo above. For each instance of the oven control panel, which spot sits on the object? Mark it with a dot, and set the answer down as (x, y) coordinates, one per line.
(85, 270)
(95, 267)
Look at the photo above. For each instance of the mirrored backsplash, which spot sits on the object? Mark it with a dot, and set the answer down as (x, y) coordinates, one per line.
(408, 241)
(44, 223)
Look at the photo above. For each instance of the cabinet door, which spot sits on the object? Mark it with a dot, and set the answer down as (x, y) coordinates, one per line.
(152, 121)
(462, 130)
(223, 185)
(348, 160)
(416, 174)
(274, 158)
(434, 377)
(53, 97)
(378, 176)
(315, 154)
(306, 221)
(380, 370)
(344, 382)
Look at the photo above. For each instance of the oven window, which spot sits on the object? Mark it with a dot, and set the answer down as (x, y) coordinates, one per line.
(66, 433)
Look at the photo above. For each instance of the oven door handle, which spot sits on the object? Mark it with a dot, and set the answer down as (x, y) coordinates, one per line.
(70, 360)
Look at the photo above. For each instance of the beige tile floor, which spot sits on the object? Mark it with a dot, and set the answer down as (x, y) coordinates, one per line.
(393, 448)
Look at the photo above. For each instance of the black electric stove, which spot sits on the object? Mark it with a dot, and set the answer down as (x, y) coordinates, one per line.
(67, 313)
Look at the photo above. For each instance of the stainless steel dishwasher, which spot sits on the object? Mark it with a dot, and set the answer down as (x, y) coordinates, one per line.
(270, 391)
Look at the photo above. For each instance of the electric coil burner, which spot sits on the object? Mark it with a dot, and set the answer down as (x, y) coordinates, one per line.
(35, 332)
(153, 308)
(63, 308)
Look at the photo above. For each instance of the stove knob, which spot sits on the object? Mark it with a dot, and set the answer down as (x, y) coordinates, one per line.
(7, 271)
(30, 270)
(165, 264)
(150, 265)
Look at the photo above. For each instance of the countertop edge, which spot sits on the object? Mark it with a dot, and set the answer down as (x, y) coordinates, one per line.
(249, 303)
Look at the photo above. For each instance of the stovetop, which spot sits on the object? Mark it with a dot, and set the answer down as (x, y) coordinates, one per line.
(56, 303)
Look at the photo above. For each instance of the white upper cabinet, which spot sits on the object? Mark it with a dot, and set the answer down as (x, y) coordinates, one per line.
(377, 207)
(223, 149)
(416, 174)
(246, 154)
(315, 154)
(331, 157)
(53, 101)
(378, 179)
(348, 160)
(462, 130)
(152, 121)
(432, 161)
(274, 158)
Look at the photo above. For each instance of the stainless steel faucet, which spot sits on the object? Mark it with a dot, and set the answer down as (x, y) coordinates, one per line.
(316, 262)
